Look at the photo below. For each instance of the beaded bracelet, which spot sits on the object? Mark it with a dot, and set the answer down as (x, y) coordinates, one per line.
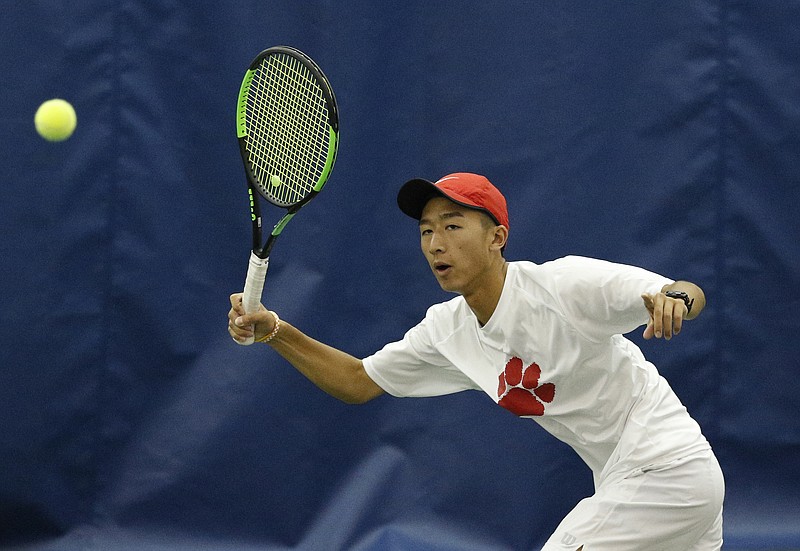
(269, 336)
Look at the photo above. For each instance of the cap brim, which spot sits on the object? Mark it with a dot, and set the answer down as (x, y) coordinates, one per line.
(415, 194)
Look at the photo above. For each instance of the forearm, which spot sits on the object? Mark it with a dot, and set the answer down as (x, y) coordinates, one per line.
(337, 373)
(695, 293)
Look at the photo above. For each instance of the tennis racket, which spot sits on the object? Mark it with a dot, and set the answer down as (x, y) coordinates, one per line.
(287, 124)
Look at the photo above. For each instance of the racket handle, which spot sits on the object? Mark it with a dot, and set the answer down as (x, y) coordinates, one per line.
(253, 286)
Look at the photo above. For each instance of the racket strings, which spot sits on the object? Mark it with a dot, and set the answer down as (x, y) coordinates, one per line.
(288, 134)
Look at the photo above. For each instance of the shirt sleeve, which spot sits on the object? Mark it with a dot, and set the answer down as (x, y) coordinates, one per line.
(413, 367)
(602, 298)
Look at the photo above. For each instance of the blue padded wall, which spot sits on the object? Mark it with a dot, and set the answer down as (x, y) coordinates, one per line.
(658, 134)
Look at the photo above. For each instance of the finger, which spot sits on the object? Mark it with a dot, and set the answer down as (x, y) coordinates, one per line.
(677, 325)
(658, 315)
(648, 331)
(667, 319)
(234, 315)
(243, 322)
(678, 315)
(239, 333)
(674, 313)
(247, 325)
(239, 327)
(236, 303)
(648, 303)
(236, 336)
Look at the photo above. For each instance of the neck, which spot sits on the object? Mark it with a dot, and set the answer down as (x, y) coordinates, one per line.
(483, 301)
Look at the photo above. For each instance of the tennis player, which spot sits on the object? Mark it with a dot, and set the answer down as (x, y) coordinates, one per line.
(545, 342)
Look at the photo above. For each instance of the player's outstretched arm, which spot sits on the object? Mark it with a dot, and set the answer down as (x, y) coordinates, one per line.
(337, 373)
(668, 314)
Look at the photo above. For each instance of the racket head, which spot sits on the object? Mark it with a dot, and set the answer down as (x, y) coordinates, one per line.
(287, 125)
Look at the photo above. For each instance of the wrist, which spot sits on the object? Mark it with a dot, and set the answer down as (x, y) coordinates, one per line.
(681, 295)
(276, 327)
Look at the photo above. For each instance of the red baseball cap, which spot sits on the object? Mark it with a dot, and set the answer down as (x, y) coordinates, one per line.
(464, 188)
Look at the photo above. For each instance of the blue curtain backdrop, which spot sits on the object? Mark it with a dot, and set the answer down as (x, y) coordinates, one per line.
(662, 134)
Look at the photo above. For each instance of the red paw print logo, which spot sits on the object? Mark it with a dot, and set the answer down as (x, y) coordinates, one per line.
(520, 391)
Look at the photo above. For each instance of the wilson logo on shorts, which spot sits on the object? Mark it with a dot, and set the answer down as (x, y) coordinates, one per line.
(520, 392)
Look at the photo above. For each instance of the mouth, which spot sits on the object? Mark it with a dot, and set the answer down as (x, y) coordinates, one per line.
(441, 268)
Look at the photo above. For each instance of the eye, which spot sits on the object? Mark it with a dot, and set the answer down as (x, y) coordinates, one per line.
(425, 231)
(452, 227)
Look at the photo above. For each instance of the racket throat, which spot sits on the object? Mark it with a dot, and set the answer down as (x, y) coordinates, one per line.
(276, 231)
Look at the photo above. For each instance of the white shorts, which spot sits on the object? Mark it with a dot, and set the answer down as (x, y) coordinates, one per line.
(672, 507)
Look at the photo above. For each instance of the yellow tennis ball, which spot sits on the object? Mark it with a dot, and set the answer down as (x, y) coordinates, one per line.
(55, 120)
(275, 180)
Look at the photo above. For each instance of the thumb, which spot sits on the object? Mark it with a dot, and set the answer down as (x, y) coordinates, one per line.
(648, 302)
(648, 331)
(253, 318)
(243, 321)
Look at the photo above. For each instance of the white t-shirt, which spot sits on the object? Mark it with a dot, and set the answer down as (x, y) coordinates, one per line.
(553, 351)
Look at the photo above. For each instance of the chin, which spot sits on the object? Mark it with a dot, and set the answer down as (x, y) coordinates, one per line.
(447, 286)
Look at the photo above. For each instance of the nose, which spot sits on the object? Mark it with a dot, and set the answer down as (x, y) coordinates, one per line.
(435, 243)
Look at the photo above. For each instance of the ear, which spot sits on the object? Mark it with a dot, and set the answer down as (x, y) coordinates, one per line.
(499, 237)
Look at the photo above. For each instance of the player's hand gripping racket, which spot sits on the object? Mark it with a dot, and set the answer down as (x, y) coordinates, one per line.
(288, 129)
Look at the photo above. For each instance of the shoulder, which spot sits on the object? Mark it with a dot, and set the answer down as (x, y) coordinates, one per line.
(453, 309)
(582, 269)
(529, 277)
(575, 277)
(528, 285)
(568, 264)
(573, 264)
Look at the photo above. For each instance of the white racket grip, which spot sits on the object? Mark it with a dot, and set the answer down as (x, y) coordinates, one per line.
(253, 287)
